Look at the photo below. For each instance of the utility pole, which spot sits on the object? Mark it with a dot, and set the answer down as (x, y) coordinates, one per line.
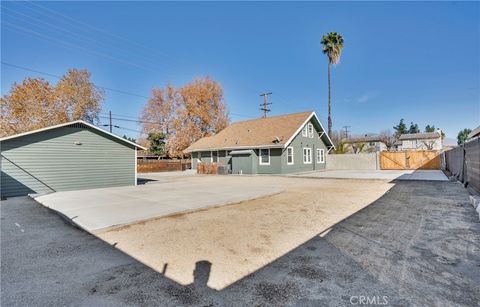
(346, 131)
(265, 104)
(110, 117)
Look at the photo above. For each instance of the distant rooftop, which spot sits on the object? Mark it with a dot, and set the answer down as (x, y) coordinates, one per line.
(422, 135)
(368, 138)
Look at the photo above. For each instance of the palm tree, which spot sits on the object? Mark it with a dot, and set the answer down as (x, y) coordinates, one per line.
(332, 47)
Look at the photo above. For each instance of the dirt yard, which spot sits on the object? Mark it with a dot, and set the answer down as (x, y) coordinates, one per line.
(241, 238)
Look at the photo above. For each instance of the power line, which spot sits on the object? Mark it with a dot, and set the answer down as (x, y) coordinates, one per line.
(104, 88)
(81, 25)
(73, 46)
(71, 34)
(265, 104)
(129, 120)
(60, 77)
(346, 131)
(122, 128)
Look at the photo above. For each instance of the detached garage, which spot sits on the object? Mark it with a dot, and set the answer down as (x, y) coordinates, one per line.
(70, 156)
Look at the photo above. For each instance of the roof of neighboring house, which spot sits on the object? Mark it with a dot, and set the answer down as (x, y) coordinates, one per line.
(368, 138)
(475, 132)
(76, 122)
(417, 136)
(275, 131)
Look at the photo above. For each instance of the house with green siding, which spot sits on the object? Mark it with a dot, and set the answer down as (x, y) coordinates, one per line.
(70, 156)
(281, 144)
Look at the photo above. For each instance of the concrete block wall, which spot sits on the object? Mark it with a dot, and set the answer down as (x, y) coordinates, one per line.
(361, 161)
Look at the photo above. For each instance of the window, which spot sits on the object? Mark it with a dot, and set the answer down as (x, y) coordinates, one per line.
(320, 156)
(214, 156)
(290, 155)
(307, 156)
(304, 131)
(264, 158)
(372, 143)
(310, 130)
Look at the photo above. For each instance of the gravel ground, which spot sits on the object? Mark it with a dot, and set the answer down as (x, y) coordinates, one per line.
(417, 245)
(241, 238)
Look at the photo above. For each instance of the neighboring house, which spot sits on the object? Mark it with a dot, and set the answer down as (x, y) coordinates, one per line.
(475, 134)
(273, 145)
(70, 156)
(371, 143)
(420, 141)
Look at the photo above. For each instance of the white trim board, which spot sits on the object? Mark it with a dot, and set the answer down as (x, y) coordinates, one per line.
(260, 156)
(293, 155)
(301, 126)
(68, 124)
(236, 147)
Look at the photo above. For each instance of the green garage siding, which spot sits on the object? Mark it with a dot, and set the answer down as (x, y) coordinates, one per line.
(66, 158)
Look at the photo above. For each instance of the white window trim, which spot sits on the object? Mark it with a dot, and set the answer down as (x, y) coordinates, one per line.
(260, 156)
(310, 133)
(304, 131)
(310, 155)
(293, 158)
(211, 156)
(136, 166)
(320, 155)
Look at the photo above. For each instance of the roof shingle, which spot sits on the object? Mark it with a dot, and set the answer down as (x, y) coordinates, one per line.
(272, 131)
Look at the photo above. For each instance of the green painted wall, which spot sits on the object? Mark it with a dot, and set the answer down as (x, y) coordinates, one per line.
(278, 156)
(243, 164)
(275, 166)
(298, 143)
(50, 161)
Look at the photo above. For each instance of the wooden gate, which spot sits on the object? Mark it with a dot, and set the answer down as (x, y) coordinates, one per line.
(410, 159)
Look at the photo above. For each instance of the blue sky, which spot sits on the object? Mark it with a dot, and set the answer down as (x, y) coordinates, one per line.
(418, 61)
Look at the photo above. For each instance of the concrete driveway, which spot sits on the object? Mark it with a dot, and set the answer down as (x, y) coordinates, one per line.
(430, 175)
(102, 208)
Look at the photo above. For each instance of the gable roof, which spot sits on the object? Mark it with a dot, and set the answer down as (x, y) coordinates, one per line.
(76, 122)
(276, 131)
(417, 136)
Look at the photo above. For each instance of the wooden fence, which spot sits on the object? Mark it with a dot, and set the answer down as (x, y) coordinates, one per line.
(148, 166)
(410, 159)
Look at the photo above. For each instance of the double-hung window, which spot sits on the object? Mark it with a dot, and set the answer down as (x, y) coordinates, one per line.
(264, 156)
(304, 131)
(290, 156)
(320, 156)
(307, 155)
(310, 130)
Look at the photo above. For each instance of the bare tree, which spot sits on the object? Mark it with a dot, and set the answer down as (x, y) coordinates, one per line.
(388, 139)
(357, 147)
(429, 144)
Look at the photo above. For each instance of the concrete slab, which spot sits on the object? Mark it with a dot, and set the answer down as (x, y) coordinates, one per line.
(434, 175)
(103, 208)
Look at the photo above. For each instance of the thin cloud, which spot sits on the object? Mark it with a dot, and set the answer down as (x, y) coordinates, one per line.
(366, 97)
